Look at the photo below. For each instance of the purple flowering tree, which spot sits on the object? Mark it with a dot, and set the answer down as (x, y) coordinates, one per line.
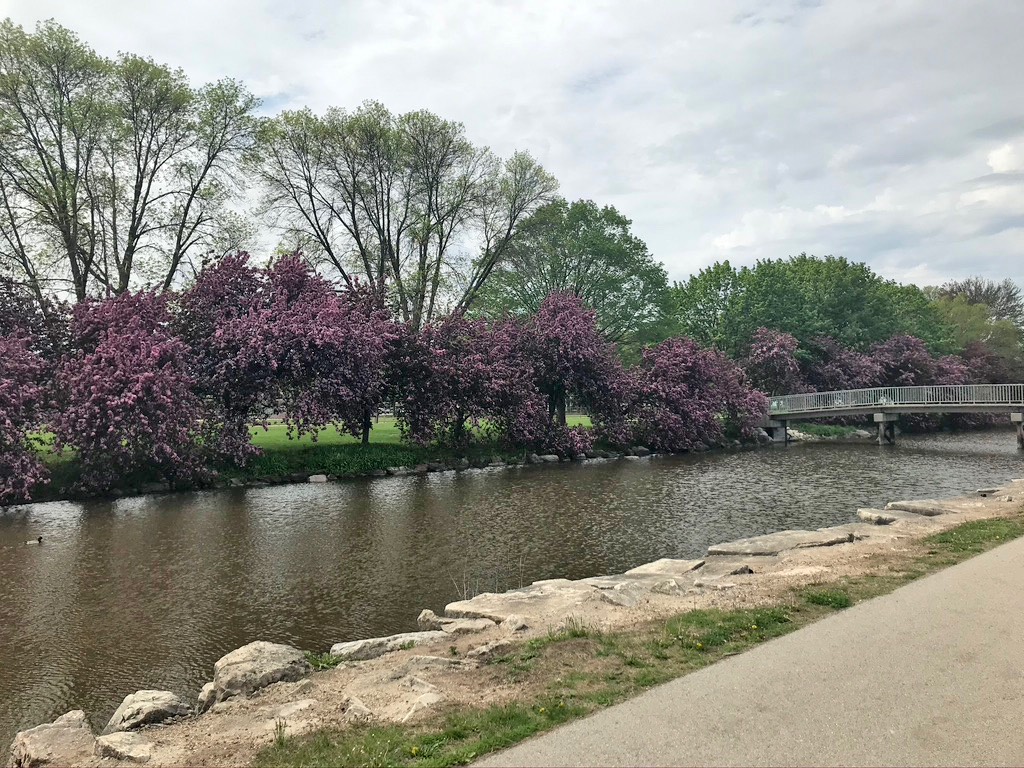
(572, 362)
(221, 320)
(903, 361)
(330, 353)
(283, 340)
(41, 320)
(831, 366)
(461, 376)
(23, 400)
(127, 401)
(689, 396)
(771, 363)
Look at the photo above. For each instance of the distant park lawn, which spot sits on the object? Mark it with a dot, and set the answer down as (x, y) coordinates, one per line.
(385, 430)
(338, 455)
(275, 437)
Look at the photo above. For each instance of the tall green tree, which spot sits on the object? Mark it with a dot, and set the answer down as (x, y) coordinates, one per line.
(973, 323)
(403, 202)
(589, 252)
(702, 305)
(808, 297)
(1003, 299)
(113, 173)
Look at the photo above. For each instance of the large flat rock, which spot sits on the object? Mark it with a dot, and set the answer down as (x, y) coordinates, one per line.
(666, 567)
(885, 516)
(553, 597)
(126, 747)
(774, 543)
(428, 620)
(146, 707)
(372, 647)
(926, 507)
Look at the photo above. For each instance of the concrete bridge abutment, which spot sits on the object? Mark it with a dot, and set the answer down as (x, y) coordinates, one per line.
(886, 428)
(778, 429)
(1018, 420)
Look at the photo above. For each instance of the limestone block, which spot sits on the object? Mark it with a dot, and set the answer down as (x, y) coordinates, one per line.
(371, 648)
(146, 707)
(255, 666)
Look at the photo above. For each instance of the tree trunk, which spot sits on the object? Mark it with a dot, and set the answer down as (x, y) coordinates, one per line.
(561, 408)
(458, 429)
(367, 426)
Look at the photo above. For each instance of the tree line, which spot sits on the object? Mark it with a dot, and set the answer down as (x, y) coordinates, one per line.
(171, 383)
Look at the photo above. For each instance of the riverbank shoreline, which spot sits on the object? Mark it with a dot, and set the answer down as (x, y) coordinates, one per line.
(351, 462)
(470, 655)
(346, 462)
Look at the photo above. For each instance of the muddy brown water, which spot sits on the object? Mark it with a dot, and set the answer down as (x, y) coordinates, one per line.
(149, 592)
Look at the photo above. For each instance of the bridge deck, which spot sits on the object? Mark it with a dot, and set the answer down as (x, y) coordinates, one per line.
(957, 398)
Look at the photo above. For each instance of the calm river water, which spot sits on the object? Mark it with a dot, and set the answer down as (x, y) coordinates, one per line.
(149, 592)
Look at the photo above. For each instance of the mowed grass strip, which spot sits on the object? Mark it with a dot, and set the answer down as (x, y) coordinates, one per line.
(385, 430)
(578, 670)
(285, 455)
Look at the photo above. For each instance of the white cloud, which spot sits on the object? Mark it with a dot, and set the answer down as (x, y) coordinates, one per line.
(1009, 157)
(739, 128)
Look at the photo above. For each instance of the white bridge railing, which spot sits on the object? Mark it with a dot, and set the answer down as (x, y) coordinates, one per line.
(889, 397)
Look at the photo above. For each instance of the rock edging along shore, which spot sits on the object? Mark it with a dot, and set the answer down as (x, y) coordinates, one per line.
(453, 465)
(262, 687)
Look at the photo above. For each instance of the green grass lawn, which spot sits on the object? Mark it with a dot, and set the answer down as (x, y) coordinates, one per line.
(343, 456)
(275, 437)
(385, 430)
(331, 453)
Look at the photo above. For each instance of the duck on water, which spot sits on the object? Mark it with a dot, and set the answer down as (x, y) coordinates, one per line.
(38, 540)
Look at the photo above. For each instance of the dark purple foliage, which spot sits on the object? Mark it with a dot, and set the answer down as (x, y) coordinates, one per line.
(573, 364)
(283, 341)
(463, 374)
(23, 399)
(221, 320)
(903, 361)
(690, 396)
(831, 367)
(989, 367)
(771, 363)
(43, 325)
(127, 402)
(330, 353)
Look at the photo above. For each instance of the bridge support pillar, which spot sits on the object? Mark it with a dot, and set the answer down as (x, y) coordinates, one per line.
(1018, 420)
(886, 428)
(779, 430)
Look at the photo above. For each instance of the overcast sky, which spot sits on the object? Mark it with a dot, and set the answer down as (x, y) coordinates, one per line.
(890, 132)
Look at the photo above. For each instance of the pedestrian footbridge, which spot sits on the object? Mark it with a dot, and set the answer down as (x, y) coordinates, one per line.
(886, 403)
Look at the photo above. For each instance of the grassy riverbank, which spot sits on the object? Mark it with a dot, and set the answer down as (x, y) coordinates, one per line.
(342, 455)
(571, 673)
(285, 458)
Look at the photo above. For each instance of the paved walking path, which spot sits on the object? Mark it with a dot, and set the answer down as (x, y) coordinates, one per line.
(932, 674)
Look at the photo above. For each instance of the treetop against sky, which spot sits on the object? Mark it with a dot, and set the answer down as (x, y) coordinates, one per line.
(886, 132)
